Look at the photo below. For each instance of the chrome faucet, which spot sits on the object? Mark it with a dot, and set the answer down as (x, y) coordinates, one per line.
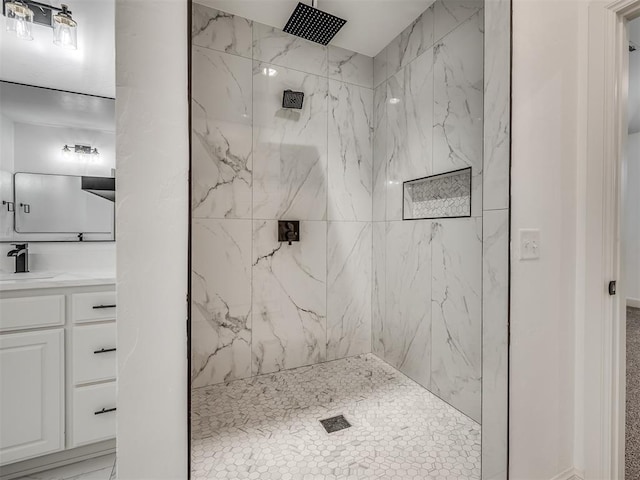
(21, 252)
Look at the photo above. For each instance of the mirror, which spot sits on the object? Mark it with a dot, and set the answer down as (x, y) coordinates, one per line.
(53, 142)
(59, 204)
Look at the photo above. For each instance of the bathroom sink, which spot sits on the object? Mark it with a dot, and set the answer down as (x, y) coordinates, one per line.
(5, 277)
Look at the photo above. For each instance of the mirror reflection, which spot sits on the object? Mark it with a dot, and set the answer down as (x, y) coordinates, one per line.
(53, 143)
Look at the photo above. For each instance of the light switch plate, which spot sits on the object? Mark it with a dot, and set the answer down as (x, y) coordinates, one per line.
(529, 244)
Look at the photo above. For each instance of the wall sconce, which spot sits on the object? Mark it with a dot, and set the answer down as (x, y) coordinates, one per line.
(81, 152)
(22, 14)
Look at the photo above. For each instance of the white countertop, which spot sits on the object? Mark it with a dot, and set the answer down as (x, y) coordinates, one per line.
(34, 280)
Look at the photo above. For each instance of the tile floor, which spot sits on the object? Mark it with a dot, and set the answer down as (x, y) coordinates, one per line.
(268, 427)
(99, 468)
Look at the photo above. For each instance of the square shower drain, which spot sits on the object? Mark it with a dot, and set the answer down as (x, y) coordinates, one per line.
(335, 424)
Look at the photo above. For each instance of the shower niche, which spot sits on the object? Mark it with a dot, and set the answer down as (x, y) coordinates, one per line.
(445, 195)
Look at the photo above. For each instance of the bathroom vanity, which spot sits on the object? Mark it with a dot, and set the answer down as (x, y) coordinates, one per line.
(58, 366)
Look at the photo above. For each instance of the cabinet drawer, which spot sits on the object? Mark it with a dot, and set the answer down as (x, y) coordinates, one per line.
(94, 306)
(94, 356)
(93, 419)
(31, 312)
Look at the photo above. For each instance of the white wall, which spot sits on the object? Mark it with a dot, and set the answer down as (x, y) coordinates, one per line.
(152, 225)
(631, 178)
(631, 222)
(634, 77)
(547, 95)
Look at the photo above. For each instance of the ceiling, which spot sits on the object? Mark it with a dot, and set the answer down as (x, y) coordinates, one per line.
(90, 69)
(41, 106)
(371, 24)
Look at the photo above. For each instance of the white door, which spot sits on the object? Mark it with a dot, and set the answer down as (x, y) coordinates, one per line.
(31, 394)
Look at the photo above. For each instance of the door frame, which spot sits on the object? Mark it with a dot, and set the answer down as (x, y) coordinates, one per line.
(604, 361)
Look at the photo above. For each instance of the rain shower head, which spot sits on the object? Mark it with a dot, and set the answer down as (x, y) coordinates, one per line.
(313, 24)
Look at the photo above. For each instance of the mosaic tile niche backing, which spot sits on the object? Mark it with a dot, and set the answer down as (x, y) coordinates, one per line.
(439, 196)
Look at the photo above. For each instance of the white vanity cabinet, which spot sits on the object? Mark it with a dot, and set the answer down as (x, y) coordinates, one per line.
(57, 370)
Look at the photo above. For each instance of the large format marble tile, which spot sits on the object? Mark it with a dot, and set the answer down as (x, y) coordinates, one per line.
(451, 13)
(497, 104)
(458, 103)
(378, 288)
(220, 31)
(379, 153)
(350, 67)
(418, 98)
(406, 339)
(221, 301)
(380, 67)
(221, 135)
(290, 146)
(272, 45)
(348, 289)
(350, 158)
(410, 127)
(289, 297)
(495, 332)
(456, 302)
(412, 42)
(396, 144)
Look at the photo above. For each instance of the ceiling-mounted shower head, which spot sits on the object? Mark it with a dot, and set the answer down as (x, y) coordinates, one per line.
(313, 24)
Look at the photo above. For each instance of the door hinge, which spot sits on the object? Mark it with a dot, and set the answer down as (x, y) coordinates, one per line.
(612, 287)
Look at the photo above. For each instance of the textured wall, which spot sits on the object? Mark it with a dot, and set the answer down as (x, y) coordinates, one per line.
(152, 151)
(428, 119)
(260, 306)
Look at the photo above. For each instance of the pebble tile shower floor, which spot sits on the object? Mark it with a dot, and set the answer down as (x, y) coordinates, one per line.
(268, 427)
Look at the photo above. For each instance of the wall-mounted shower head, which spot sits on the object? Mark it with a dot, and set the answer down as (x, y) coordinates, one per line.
(291, 99)
(313, 24)
(633, 47)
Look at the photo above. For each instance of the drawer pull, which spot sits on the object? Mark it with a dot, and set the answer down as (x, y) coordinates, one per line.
(105, 410)
(105, 350)
(99, 307)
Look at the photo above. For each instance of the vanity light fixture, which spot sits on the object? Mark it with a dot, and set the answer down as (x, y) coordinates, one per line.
(81, 152)
(22, 14)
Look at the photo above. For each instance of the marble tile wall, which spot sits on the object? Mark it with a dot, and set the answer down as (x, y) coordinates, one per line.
(260, 306)
(427, 274)
(495, 285)
(418, 291)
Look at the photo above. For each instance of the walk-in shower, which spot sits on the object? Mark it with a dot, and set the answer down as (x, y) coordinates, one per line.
(349, 256)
